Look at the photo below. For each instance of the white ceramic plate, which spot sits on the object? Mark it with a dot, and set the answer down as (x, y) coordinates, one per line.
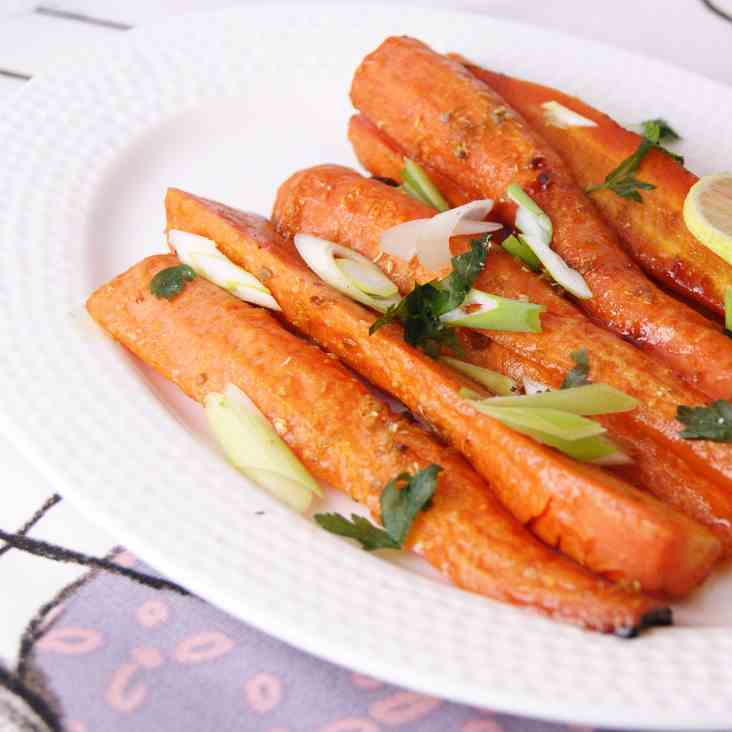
(228, 105)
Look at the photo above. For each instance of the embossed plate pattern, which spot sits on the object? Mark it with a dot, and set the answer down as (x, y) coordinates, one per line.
(228, 105)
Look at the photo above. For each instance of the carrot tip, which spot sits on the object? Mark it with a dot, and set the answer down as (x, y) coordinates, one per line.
(660, 616)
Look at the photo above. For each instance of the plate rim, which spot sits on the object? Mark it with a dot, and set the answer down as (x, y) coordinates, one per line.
(20, 436)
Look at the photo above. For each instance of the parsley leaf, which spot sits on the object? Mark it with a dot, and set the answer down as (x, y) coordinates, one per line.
(401, 500)
(400, 505)
(621, 180)
(658, 131)
(578, 375)
(169, 282)
(359, 528)
(666, 133)
(712, 423)
(419, 312)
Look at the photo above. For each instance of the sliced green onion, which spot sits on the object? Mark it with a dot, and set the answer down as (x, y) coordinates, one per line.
(537, 231)
(551, 422)
(204, 258)
(409, 188)
(495, 313)
(417, 180)
(594, 448)
(328, 261)
(557, 115)
(585, 400)
(728, 307)
(495, 382)
(254, 448)
(597, 449)
(470, 394)
(367, 277)
(523, 200)
(518, 248)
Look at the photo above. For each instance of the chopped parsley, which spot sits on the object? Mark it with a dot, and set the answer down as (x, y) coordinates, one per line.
(419, 312)
(401, 500)
(622, 180)
(666, 133)
(712, 423)
(169, 282)
(577, 376)
(658, 131)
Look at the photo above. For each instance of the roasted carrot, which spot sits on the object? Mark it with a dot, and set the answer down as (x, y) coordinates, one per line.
(654, 232)
(375, 151)
(439, 113)
(205, 338)
(595, 518)
(696, 477)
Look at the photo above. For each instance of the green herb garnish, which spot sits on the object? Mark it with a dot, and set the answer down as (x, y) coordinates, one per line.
(666, 133)
(419, 312)
(169, 282)
(578, 375)
(712, 423)
(401, 500)
(621, 180)
(658, 131)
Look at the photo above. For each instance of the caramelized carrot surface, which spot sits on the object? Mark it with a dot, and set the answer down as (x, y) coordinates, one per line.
(595, 518)
(442, 115)
(205, 338)
(654, 231)
(694, 476)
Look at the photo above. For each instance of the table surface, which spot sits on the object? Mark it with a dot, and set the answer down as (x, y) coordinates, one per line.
(690, 33)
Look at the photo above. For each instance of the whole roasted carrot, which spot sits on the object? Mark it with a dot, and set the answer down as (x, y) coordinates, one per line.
(205, 339)
(694, 476)
(600, 521)
(654, 232)
(439, 113)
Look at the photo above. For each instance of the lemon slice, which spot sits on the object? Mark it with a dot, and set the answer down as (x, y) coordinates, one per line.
(708, 213)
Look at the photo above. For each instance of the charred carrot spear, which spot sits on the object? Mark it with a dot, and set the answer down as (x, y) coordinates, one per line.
(439, 113)
(653, 232)
(694, 476)
(600, 521)
(206, 338)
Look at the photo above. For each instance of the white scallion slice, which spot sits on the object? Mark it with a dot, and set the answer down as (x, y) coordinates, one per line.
(417, 181)
(367, 277)
(204, 257)
(492, 380)
(557, 115)
(254, 448)
(551, 422)
(327, 260)
(537, 231)
(587, 400)
(429, 239)
(491, 312)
